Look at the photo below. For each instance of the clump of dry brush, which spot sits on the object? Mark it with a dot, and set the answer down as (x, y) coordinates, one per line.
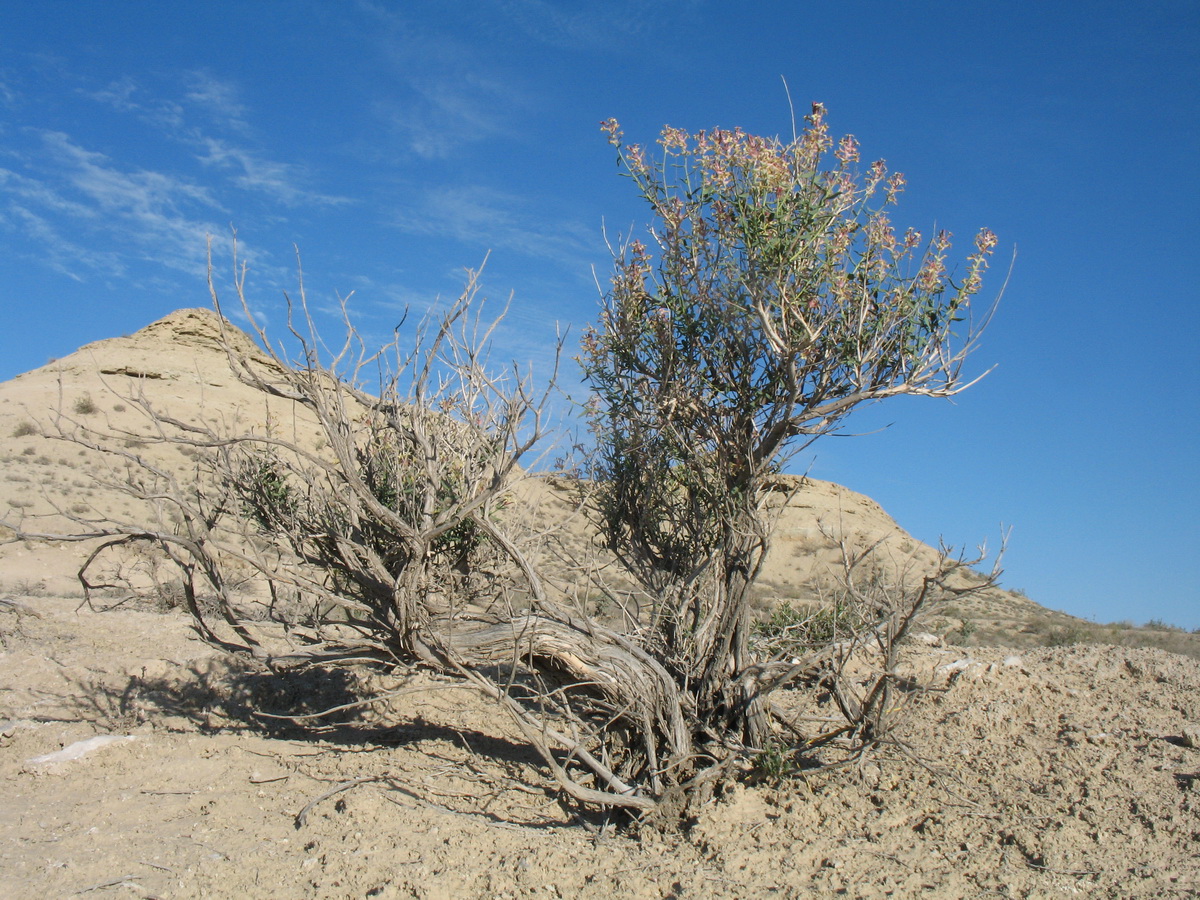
(773, 298)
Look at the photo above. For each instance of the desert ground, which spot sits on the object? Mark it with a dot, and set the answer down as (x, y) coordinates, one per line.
(1037, 756)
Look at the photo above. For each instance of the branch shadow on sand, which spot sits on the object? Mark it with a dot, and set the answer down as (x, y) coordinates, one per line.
(226, 696)
(332, 706)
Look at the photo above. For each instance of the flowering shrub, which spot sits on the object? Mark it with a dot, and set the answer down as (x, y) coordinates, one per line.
(774, 296)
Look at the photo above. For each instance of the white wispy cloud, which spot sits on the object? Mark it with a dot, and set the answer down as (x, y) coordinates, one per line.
(219, 97)
(135, 213)
(87, 214)
(254, 169)
(127, 96)
(592, 26)
(32, 210)
(278, 180)
(137, 193)
(390, 298)
(497, 220)
(37, 193)
(443, 94)
(442, 113)
(55, 250)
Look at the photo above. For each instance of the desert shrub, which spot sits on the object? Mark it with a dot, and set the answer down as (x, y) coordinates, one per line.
(85, 406)
(24, 429)
(12, 614)
(774, 297)
(795, 630)
(264, 492)
(28, 587)
(965, 631)
(1068, 635)
(1162, 625)
(169, 596)
(777, 298)
(773, 763)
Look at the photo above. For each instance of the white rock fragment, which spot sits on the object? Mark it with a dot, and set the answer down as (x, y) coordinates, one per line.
(79, 749)
(969, 669)
(959, 665)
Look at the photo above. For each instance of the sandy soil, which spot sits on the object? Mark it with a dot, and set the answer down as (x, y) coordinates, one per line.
(1058, 772)
(1024, 773)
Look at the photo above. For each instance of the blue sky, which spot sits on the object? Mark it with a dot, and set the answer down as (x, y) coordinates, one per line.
(397, 143)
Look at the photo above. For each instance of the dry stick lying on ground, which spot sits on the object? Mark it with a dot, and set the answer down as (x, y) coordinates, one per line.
(123, 879)
(302, 816)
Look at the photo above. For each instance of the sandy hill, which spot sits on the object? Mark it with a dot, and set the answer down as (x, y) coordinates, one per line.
(135, 762)
(178, 364)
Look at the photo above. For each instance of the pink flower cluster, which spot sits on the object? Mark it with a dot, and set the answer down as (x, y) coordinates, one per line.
(847, 151)
(610, 127)
(821, 238)
(674, 139)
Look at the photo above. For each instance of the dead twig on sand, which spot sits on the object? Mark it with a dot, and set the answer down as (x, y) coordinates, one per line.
(112, 882)
(302, 816)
